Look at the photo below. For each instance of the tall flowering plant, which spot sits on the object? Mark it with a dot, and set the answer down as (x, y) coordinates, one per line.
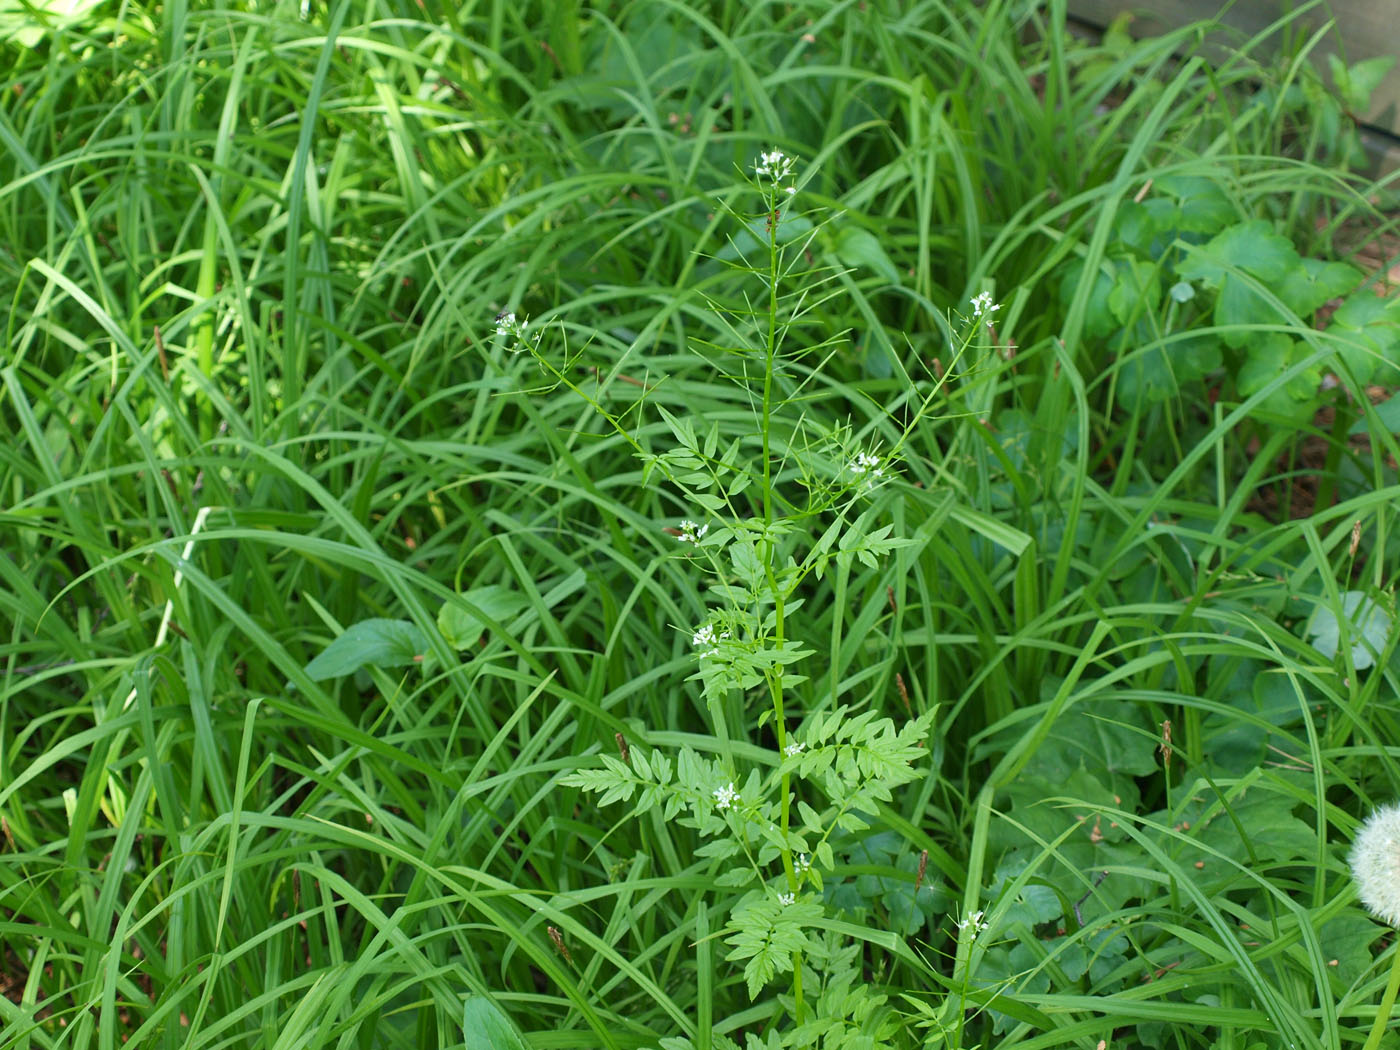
(758, 538)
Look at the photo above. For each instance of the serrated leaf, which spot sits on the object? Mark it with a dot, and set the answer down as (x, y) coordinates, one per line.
(1251, 246)
(734, 877)
(1307, 287)
(369, 643)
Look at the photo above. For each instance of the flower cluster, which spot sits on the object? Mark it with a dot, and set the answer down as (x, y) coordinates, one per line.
(1375, 864)
(973, 921)
(866, 465)
(787, 898)
(775, 165)
(726, 796)
(690, 532)
(794, 748)
(707, 639)
(517, 331)
(802, 864)
(982, 304)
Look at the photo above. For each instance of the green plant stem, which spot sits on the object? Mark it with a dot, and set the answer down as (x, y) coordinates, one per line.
(1373, 1041)
(769, 356)
(776, 679)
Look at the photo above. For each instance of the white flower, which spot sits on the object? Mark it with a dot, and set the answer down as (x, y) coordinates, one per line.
(803, 864)
(691, 532)
(790, 190)
(867, 465)
(708, 640)
(508, 325)
(1375, 864)
(725, 796)
(982, 304)
(786, 898)
(794, 748)
(773, 164)
(974, 921)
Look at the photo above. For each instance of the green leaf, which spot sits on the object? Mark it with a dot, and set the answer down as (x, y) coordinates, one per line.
(1357, 83)
(1268, 357)
(1348, 939)
(463, 627)
(1137, 290)
(855, 246)
(1368, 627)
(1307, 287)
(1098, 318)
(1386, 414)
(486, 1027)
(1249, 246)
(1202, 205)
(369, 643)
(27, 23)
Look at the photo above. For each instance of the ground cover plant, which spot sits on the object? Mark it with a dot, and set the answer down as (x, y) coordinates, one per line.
(689, 525)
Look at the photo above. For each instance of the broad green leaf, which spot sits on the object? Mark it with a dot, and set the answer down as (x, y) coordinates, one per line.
(1368, 627)
(1202, 205)
(463, 628)
(369, 643)
(855, 246)
(1367, 327)
(27, 22)
(486, 1027)
(1358, 82)
(1307, 287)
(1098, 318)
(1249, 246)
(1348, 939)
(1270, 831)
(1268, 357)
(1137, 290)
(1386, 414)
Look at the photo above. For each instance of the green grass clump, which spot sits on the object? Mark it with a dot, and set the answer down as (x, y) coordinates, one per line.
(357, 686)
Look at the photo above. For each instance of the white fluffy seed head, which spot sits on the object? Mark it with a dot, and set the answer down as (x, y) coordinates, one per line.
(1375, 864)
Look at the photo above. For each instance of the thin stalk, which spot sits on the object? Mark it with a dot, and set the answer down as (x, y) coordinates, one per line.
(1373, 1041)
(775, 679)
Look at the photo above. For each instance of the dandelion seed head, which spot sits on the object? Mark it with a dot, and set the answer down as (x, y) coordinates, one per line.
(1375, 864)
